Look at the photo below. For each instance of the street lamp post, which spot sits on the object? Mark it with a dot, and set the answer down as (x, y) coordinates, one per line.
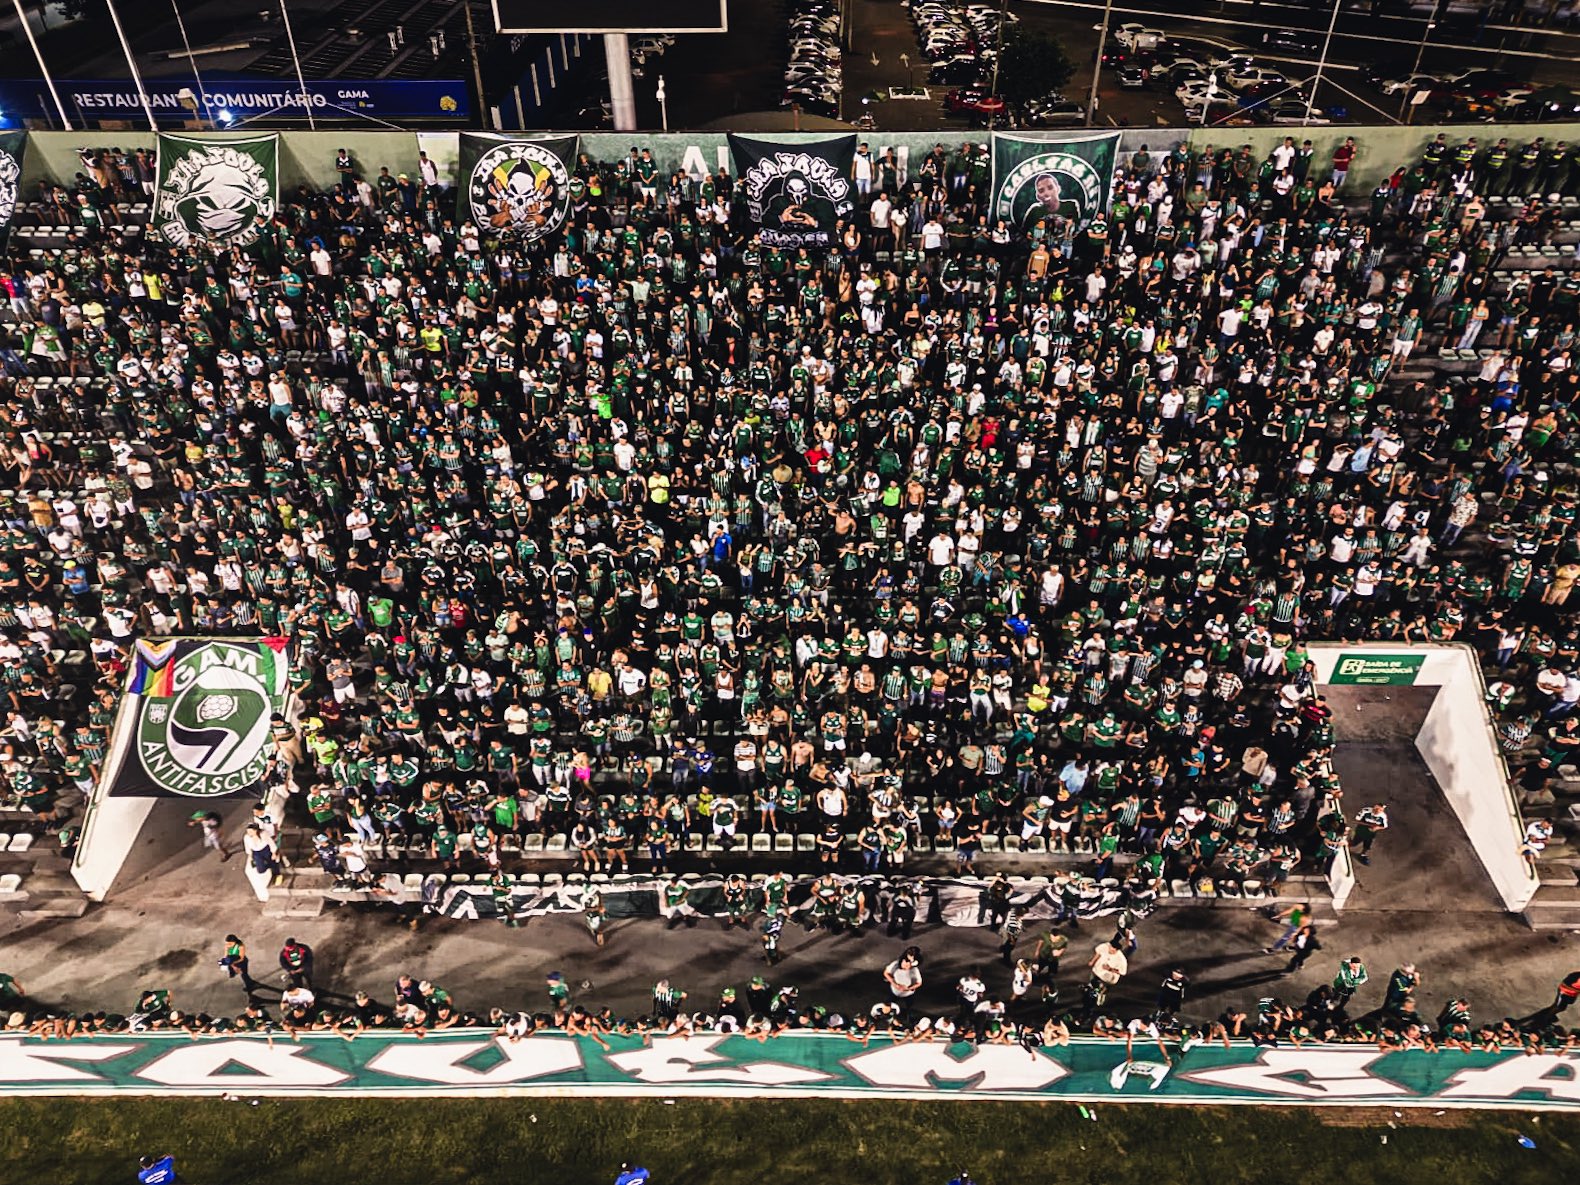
(663, 103)
(1322, 63)
(1097, 69)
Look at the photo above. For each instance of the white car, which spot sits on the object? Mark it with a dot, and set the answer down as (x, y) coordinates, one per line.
(1409, 84)
(1137, 37)
(1199, 91)
(1243, 78)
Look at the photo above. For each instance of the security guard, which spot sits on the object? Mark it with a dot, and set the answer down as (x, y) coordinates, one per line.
(1497, 167)
(1465, 156)
(1435, 158)
(902, 911)
(1527, 167)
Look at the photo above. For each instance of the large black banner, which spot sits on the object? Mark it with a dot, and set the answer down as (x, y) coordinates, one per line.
(514, 187)
(796, 193)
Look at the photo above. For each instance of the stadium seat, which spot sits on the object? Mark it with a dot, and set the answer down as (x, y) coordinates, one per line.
(530, 879)
(552, 880)
(5, 841)
(1036, 843)
(762, 842)
(10, 882)
(991, 843)
(693, 842)
(21, 841)
(510, 844)
(558, 842)
(784, 842)
(806, 843)
(599, 878)
(532, 842)
(413, 882)
(460, 878)
(1180, 888)
(1253, 890)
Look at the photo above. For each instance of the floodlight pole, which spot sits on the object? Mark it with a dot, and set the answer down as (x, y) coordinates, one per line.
(622, 91)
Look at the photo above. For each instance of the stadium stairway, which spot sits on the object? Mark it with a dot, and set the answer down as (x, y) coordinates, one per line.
(1556, 905)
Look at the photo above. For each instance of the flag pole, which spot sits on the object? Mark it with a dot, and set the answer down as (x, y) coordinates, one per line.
(131, 62)
(42, 69)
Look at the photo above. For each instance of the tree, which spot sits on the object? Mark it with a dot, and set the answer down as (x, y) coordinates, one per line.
(1032, 64)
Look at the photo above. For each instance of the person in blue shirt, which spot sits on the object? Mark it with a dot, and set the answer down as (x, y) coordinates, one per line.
(631, 1176)
(157, 1172)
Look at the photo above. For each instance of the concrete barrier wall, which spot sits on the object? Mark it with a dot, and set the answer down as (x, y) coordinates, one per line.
(307, 158)
(1459, 746)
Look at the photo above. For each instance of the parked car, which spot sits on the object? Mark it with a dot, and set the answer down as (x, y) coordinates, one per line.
(973, 100)
(1292, 40)
(1407, 84)
(1131, 77)
(1245, 77)
(957, 71)
(1137, 36)
(1051, 110)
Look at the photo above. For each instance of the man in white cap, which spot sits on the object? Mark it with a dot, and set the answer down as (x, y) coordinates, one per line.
(1034, 819)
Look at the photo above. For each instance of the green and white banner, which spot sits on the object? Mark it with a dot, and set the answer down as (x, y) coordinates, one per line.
(215, 190)
(194, 722)
(516, 188)
(1039, 178)
(12, 146)
(473, 1062)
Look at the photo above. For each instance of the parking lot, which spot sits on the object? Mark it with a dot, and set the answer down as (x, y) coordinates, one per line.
(889, 66)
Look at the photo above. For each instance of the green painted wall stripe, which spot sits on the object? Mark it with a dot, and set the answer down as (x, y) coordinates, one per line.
(474, 1062)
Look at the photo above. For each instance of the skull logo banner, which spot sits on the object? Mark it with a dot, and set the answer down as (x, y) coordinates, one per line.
(215, 190)
(519, 190)
(797, 191)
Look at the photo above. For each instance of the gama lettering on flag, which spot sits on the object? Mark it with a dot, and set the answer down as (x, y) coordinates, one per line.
(12, 146)
(194, 721)
(516, 188)
(215, 190)
(796, 193)
(1036, 178)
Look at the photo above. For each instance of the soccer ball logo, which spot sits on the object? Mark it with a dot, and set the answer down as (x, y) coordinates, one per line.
(216, 707)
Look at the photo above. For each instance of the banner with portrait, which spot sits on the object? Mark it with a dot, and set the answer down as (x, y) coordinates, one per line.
(1039, 178)
(796, 192)
(516, 188)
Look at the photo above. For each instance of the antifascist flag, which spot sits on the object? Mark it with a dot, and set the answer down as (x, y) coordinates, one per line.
(518, 189)
(796, 193)
(215, 189)
(12, 145)
(195, 719)
(1036, 179)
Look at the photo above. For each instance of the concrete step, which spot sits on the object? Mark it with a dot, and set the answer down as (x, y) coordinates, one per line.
(1564, 917)
(54, 907)
(307, 905)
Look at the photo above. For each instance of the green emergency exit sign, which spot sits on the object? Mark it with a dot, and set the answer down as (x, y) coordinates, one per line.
(1378, 668)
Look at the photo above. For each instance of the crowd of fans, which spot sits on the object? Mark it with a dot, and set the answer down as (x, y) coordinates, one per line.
(940, 535)
(659, 531)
